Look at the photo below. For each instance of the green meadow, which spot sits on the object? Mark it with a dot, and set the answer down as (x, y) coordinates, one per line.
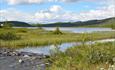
(57, 34)
(22, 37)
(84, 57)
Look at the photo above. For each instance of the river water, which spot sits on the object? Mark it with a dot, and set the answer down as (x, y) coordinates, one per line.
(46, 50)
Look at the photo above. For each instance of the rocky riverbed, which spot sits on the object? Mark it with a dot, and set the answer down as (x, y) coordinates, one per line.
(13, 60)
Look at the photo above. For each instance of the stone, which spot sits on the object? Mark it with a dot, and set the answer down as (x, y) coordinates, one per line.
(26, 56)
(47, 63)
(20, 61)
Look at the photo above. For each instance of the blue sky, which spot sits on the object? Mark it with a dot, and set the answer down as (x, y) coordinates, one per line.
(81, 6)
(46, 11)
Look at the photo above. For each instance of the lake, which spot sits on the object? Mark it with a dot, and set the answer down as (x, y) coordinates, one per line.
(73, 29)
(79, 30)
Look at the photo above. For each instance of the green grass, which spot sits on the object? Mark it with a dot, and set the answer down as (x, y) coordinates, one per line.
(88, 57)
(84, 57)
(37, 37)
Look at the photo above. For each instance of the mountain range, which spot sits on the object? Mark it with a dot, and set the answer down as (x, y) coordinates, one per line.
(109, 22)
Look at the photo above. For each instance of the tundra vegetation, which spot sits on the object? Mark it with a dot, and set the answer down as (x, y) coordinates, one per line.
(99, 56)
(84, 57)
(22, 37)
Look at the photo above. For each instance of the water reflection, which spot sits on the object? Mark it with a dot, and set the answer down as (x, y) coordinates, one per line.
(46, 50)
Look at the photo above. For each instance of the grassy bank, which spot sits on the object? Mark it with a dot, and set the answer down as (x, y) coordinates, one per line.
(37, 37)
(85, 57)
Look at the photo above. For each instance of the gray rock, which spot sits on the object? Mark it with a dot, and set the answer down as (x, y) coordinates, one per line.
(13, 60)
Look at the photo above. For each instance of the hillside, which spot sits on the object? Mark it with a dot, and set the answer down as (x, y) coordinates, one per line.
(109, 22)
(17, 24)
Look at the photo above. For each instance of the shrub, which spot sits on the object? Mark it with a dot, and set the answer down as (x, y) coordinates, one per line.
(57, 31)
(7, 25)
(22, 30)
(85, 58)
(9, 36)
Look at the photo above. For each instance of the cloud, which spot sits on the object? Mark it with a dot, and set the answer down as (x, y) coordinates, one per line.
(69, 1)
(56, 13)
(14, 15)
(15, 2)
(50, 13)
(18, 2)
(65, 16)
(44, 15)
(55, 8)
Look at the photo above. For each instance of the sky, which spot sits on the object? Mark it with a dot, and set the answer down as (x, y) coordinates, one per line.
(48, 11)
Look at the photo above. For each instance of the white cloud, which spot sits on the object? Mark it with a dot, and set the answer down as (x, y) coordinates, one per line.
(12, 15)
(15, 2)
(55, 8)
(101, 13)
(44, 15)
(73, 1)
(50, 13)
(69, 1)
(53, 14)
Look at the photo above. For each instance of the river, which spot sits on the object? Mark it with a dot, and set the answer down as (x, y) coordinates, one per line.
(46, 50)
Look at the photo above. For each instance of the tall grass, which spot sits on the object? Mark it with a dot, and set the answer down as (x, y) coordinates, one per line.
(91, 57)
(9, 36)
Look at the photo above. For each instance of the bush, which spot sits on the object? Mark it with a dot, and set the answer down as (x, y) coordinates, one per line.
(85, 58)
(22, 30)
(7, 25)
(9, 36)
(57, 31)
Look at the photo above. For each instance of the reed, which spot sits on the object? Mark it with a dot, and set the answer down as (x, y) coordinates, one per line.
(91, 57)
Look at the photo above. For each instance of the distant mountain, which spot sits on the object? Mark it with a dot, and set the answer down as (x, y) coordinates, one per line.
(109, 22)
(106, 23)
(18, 24)
(92, 23)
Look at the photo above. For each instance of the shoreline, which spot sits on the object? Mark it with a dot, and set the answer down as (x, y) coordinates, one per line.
(13, 60)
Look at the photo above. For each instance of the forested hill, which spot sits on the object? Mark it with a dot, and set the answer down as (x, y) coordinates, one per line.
(109, 22)
(17, 24)
(101, 23)
(106, 23)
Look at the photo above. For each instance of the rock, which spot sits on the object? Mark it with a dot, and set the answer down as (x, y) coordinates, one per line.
(33, 58)
(47, 56)
(20, 61)
(14, 53)
(12, 59)
(47, 63)
(2, 57)
(26, 56)
(43, 66)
